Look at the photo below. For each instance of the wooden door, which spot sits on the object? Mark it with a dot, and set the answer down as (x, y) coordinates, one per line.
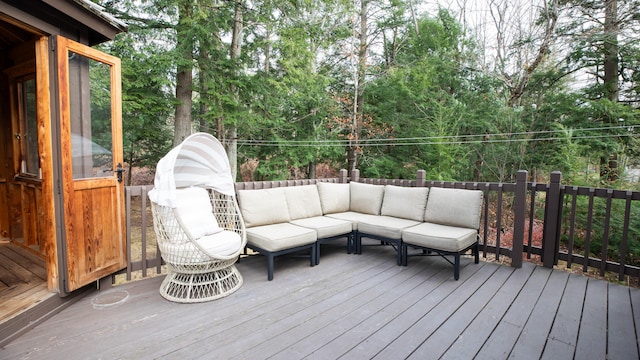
(91, 155)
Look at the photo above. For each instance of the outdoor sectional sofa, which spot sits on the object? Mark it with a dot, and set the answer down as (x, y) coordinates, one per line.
(439, 221)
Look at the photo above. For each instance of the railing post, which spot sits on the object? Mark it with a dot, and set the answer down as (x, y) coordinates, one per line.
(343, 176)
(551, 216)
(355, 175)
(421, 178)
(519, 214)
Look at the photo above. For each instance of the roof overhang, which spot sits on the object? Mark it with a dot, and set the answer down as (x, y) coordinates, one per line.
(100, 25)
(92, 16)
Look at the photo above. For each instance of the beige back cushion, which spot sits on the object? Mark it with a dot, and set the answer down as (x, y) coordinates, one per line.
(334, 198)
(195, 213)
(454, 207)
(303, 201)
(263, 207)
(405, 202)
(366, 198)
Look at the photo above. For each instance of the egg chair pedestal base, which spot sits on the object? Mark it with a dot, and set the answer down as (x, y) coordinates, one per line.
(199, 287)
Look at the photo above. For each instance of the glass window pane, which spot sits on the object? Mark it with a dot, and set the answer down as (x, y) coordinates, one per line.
(29, 127)
(90, 106)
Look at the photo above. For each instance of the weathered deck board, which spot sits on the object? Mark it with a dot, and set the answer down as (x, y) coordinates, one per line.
(438, 343)
(419, 326)
(564, 333)
(635, 305)
(621, 330)
(378, 301)
(352, 307)
(505, 335)
(281, 309)
(340, 305)
(379, 340)
(469, 342)
(294, 310)
(592, 337)
(535, 332)
(374, 321)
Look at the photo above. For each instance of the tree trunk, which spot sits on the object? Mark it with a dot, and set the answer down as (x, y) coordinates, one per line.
(267, 50)
(414, 19)
(551, 20)
(184, 77)
(611, 29)
(231, 143)
(203, 61)
(354, 147)
(184, 81)
(609, 168)
(477, 170)
(362, 61)
(609, 164)
(311, 170)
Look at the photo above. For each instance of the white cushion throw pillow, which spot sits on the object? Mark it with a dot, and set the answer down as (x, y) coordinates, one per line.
(366, 198)
(263, 207)
(195, 212)
(404, 202)
(334, 198)
(303, 201)
(454, 207)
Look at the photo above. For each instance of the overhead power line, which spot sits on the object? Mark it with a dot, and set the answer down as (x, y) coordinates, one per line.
(446, 140)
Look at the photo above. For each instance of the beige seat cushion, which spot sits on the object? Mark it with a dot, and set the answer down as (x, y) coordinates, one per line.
(334, 198)
(439, 237)
(281, 236)
(263, 207)
(224, 243)
(354, 217)
(303, 201)
(365, 198)
(405, 202)
(325, 226)
(454, 207)
(386, 226)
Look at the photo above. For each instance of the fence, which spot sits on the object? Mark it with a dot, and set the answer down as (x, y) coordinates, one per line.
(592, 228)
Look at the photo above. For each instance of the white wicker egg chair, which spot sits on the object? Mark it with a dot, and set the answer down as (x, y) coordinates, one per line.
(198, 225)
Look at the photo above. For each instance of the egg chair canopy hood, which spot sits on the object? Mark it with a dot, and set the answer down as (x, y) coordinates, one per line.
(201, 161)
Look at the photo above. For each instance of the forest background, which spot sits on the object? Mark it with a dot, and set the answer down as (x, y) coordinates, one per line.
(467, 90)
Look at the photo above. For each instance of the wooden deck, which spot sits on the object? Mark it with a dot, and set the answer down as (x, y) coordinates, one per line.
(23, 280)
(25, 300)
(354, 307)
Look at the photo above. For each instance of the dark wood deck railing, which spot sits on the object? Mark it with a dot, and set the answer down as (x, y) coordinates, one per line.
(142, 251)
(591, 227)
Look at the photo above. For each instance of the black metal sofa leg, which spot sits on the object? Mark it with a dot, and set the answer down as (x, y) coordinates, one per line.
(405, 254)
(270, 267)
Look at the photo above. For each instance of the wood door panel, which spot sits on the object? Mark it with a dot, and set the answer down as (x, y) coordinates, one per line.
(94, 206)
(96, 252)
